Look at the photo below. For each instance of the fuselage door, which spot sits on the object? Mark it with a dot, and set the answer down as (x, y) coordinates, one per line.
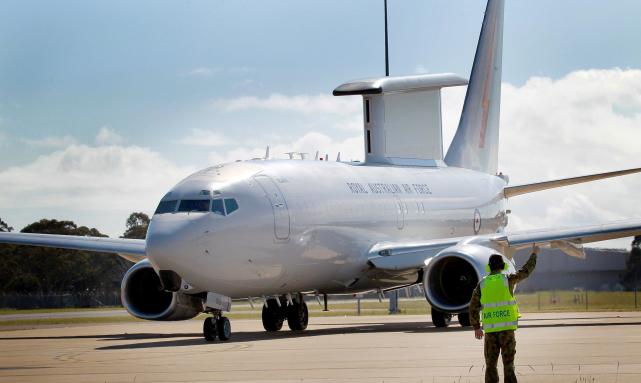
(279, 206)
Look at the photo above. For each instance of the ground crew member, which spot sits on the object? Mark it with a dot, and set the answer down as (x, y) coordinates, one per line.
(494, 297)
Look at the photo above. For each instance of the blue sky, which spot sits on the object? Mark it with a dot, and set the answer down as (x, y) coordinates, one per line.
(159, 75)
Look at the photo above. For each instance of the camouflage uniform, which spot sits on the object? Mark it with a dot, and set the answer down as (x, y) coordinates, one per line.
(501, 342)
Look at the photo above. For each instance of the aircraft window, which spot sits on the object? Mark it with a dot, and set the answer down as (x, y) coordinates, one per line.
(166, 207)
(367, 111)
(231, 205)
(194, 205)
(217, 207)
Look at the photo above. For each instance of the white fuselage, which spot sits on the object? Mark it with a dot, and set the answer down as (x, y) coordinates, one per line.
(308, 225)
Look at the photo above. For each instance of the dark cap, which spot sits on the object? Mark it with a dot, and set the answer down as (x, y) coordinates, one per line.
(496, 262)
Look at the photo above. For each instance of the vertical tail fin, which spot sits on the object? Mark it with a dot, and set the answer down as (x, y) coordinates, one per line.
(476, 142)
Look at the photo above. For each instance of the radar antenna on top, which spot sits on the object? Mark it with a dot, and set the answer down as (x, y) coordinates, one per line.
(401, 114)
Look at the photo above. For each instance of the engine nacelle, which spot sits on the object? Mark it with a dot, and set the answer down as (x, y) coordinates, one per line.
(449, 278)
(143, 296)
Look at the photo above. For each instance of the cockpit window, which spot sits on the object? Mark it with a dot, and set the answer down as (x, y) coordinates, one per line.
(194, 205)
(166, 207)
(217, 207)
(231, 205)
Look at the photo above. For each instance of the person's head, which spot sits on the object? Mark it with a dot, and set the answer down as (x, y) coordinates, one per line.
(496, 263)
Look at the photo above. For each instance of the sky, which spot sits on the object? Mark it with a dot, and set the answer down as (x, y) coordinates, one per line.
(105, 105)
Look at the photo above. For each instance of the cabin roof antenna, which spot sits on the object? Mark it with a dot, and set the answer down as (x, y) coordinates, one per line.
(386, 42)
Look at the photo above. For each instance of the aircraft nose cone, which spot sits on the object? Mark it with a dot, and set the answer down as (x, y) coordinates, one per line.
(170, 239)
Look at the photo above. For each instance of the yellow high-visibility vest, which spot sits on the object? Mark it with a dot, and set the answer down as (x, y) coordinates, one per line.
(499, 311)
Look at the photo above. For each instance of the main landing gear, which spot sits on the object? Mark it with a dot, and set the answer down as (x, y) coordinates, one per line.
(441, 319)
(216, 326)
(275, 312)
(464, 319)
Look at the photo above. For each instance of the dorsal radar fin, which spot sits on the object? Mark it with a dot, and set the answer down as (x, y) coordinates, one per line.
(476, 142)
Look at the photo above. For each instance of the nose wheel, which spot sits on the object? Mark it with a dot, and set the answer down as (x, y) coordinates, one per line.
(216, 327)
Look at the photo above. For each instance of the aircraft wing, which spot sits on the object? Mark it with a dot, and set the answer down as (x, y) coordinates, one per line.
(395, 256)
(130, 249)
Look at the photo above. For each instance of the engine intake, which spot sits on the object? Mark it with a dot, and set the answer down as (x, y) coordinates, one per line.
(451, 276)
(143, 295)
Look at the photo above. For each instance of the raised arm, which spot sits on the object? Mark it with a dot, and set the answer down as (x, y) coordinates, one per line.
(526, 270)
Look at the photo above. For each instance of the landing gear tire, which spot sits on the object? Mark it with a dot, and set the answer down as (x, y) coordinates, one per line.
(464, 319)
(272, 316)
(441, 319)
(223, 328)
(209, 329)
(297, 315)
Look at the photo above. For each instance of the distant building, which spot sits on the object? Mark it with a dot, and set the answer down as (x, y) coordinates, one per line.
(601, 270)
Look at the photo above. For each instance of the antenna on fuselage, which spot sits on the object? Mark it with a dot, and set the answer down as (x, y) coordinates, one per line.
(316, 157)
(267, 153)
(386, 42)
(338, 157)
(291, 155)
(302, 155)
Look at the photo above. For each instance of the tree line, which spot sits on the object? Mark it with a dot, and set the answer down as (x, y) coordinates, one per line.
(40, 270)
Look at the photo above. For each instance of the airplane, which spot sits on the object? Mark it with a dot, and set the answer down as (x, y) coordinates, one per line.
(279, 230)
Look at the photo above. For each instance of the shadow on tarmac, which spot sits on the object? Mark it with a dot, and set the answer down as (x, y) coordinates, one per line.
(193, 339)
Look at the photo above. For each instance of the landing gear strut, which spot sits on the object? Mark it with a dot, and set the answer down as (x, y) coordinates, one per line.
(216, 326)
(441, 319)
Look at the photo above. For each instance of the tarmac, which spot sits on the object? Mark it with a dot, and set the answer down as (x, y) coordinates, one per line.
(552, 347)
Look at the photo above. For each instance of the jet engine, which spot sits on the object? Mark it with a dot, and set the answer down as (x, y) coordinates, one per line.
(450, 277)
(143, 296)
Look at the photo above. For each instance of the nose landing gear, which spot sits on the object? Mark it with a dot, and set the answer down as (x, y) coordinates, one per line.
(216, 326)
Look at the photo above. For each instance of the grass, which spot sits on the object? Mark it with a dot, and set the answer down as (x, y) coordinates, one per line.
(61, 310)
(28, 323)
(546, 301)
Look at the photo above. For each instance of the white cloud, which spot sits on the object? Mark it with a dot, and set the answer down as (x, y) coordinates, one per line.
(107, 136)
(420, 69)
(586, 122)
(305, 104)
(204, 71)
(50, 142)
(202, 137)
(80, 179)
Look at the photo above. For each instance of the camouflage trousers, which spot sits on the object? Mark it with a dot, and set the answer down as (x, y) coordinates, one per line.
(504, 343)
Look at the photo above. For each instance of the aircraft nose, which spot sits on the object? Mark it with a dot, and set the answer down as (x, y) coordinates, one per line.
(171, 238)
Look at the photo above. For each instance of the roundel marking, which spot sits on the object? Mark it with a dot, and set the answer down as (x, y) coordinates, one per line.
(477, 221)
